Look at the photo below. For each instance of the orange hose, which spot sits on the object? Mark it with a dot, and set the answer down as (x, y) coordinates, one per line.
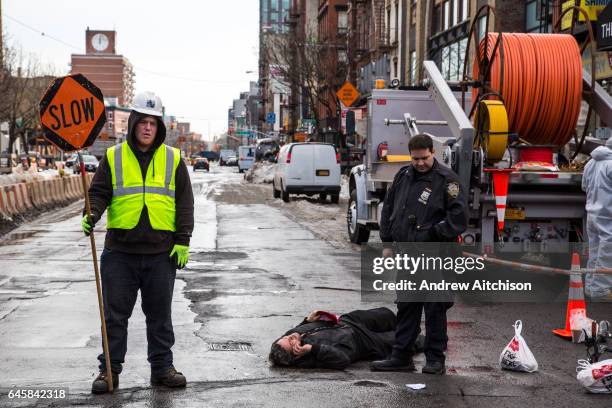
(542, 84)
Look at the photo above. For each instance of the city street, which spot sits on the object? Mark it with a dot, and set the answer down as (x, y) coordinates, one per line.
(257, 267)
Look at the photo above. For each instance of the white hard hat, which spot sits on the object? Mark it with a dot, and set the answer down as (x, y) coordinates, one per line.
(148, 103)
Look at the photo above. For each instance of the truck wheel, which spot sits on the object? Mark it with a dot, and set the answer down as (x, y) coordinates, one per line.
(276, 193)
(322, 197)
(335, 198)
(358, 234)
(285, 195)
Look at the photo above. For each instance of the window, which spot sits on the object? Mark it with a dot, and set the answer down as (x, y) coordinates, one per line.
(395, 72)
(413, 68)
(531, 17)
(482, 27)
(342, 20)
(342, 56)
(455, 12)
(110, 125)
(465, 12)
(110, 115)
(396, 35)
(452, 60)
(446, 15)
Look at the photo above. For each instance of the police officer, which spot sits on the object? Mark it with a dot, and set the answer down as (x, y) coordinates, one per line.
(424, 204)
(144, 184)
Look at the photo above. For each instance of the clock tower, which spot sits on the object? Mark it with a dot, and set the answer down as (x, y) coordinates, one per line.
(99, 42)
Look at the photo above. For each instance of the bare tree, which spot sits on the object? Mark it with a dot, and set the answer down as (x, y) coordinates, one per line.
(22, 85)
(305, 64)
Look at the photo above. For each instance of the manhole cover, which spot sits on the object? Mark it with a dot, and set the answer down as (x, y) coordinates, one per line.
(230, 346)
(368, 383)
(209, 256)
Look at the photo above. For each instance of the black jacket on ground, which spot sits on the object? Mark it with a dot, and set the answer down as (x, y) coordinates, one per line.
(143, 239)
(361, 334)
(424, 207)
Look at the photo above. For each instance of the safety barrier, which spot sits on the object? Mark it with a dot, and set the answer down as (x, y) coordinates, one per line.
(40, 195)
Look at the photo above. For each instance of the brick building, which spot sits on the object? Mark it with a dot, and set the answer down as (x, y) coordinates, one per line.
(111, 72)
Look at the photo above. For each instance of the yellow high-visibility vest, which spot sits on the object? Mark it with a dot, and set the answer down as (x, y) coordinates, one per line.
(131, 194)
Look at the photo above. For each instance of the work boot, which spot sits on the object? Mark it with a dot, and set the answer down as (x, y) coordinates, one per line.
(171, 378)
(100, 386)
(393, 364)
(434, 367)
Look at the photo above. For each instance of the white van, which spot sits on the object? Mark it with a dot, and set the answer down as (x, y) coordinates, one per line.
(224, 155)
(246, 157)
(307, 168)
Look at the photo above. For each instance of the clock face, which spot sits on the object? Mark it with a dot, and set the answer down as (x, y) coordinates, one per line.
(99, 42)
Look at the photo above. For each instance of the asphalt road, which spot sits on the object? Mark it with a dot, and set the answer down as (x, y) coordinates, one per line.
(258, 266)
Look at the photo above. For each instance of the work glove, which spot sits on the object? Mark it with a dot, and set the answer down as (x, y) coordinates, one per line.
(88, 224)
(181, 255)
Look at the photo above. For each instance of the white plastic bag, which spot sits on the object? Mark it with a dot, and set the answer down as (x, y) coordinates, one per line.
(597, 377)
(516, 356)
(578, 323)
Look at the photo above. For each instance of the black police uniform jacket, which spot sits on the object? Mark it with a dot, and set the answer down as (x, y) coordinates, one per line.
(424, 207)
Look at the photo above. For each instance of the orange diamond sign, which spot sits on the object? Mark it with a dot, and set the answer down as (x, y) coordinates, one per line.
(72, 112)
(348, 94)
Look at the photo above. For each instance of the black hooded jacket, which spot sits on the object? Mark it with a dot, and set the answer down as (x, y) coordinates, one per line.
(143, 239)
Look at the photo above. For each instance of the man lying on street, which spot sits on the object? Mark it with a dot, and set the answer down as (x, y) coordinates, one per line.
(323, 340)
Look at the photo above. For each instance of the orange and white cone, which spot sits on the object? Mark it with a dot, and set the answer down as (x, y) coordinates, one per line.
(500, 190)
(575, 298)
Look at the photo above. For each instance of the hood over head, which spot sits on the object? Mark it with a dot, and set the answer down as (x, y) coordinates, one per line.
(602, 153)
(135, 117)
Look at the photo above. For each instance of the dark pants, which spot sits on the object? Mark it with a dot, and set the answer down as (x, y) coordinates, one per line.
(409, 327)
(374, 331)
(122, 276)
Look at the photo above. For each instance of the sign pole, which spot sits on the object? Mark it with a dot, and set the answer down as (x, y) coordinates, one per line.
(92, 240)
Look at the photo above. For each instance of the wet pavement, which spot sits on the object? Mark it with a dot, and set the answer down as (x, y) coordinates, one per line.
(257, 267)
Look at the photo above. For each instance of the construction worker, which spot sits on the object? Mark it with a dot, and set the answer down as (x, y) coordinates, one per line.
(145, 187)
(424, 204)
(597, 183)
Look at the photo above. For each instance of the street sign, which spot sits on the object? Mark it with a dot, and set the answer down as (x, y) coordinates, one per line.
(72, 112)
(604, 29)
(591, 7)
(348, 94)
(271, 117)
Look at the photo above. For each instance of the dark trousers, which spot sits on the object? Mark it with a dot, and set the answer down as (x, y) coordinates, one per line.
(374, 331)
(409, 326)
(122, 276)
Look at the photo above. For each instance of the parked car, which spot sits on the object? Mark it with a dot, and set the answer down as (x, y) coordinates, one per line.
(224, 154)
(91, 164)
(232, 161)
(201, 163)
(71, 160)
(307, 168)
(266, 149)
(246, 157)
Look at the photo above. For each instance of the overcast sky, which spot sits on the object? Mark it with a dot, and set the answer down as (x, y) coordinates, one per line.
(201, 48)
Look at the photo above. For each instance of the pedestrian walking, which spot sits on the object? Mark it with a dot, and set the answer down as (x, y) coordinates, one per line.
(425, 203)
(597, 183)
(145, 188)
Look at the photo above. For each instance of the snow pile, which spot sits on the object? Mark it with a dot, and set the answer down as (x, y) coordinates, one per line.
(344, 187)
(260, 173)
(20, 176)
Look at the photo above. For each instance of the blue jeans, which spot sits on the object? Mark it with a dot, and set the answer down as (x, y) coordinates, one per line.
(122, 276)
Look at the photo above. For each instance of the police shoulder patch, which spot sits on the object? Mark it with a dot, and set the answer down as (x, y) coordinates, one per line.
(452, 189)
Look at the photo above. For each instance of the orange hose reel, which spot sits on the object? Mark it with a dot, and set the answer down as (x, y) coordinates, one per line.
(542, 84)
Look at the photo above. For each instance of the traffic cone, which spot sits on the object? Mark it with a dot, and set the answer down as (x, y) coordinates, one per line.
(575, 297)
(500, 190)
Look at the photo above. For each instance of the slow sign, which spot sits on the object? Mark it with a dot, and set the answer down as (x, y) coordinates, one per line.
(72, 112)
